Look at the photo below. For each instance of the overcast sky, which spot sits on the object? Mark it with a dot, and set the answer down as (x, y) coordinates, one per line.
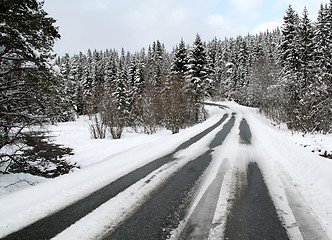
(134, 24)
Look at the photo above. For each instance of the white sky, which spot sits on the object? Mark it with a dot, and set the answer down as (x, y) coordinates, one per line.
(134, 24)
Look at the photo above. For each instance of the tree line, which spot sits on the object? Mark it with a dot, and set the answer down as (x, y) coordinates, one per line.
(144, 90)
(286, 73)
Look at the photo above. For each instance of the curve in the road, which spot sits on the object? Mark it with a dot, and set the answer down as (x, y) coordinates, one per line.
(55, 223)
(167, 206)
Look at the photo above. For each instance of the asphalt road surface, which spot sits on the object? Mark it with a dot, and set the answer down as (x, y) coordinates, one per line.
(253, 215)
(167, 207)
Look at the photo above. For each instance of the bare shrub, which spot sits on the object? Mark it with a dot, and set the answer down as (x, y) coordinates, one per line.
(97, 127)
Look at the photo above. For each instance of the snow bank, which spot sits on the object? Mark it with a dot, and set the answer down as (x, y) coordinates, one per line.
(319, 144)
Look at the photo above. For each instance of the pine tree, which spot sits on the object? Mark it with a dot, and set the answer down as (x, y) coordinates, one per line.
(197, 77)
(322, 85)
(179, 61)
(27, 82)
(289, 59)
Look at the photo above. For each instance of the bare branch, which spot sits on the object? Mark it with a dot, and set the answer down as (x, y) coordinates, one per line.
(31, 183)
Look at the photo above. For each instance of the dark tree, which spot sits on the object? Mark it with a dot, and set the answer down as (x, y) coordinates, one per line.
(322, 84)
(27, 84)
(289, 59)
(179, 61)
(198, 77)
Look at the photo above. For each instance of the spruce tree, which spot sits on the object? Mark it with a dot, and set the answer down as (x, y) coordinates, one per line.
(198, 77)
(115, 109)
(87, 85)
(176, 102)
(307, 60)
(242, 70)
(229, 81)
(179, 61)
(289, 59)
(214, 66)
(322, 85)
(138, 93)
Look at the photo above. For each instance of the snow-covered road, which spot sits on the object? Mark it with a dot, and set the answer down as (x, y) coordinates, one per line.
(297, 181)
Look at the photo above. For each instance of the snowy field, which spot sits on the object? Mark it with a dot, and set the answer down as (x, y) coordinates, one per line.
(25, 198)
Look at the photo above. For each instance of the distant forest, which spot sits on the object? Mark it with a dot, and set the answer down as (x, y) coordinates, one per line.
(286, 73)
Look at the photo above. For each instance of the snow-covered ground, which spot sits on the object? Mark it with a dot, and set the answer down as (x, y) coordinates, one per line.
(320, 144)
(285, 165)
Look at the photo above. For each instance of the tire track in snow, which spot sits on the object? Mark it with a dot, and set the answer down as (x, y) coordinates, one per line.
(199, 223)
(309, 226)
(167, 207)
(253, 214)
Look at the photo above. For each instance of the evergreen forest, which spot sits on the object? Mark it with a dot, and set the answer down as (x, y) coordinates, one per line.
(286, 73)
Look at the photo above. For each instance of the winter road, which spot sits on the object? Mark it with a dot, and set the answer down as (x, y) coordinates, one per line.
(251, 213)
(167, 207)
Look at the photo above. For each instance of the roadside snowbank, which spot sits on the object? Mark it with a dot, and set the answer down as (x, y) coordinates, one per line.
(320, 144)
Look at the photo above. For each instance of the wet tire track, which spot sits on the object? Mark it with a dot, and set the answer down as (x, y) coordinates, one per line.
(245, 133)
(199, 223)
(167, 207)
(253, 214)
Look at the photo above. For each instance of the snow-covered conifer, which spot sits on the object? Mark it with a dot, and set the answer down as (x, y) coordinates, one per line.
(179, 61)
(198, 76)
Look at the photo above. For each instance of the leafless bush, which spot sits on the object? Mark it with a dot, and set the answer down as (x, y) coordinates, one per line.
(97, 127)
(113, 117)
